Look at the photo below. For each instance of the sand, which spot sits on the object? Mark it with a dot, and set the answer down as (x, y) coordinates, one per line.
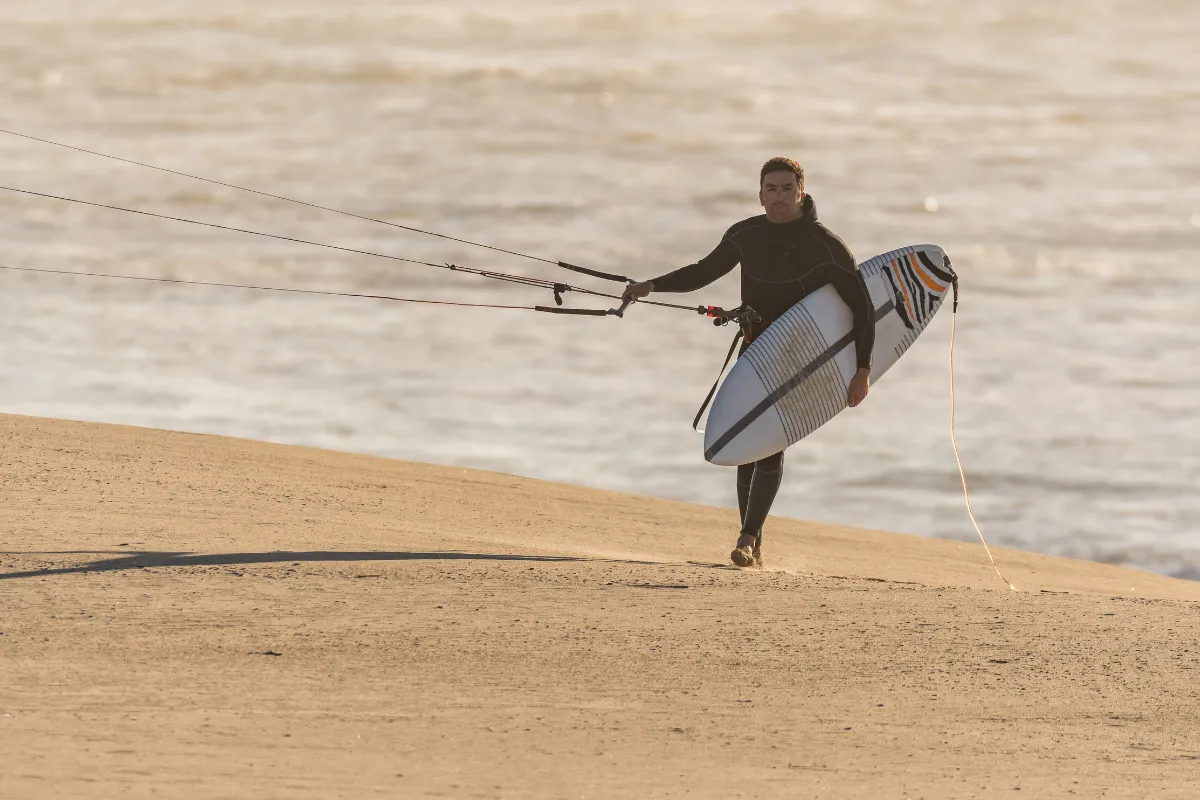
(195, 616)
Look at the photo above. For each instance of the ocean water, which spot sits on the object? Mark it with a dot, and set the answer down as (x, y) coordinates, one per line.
(1057, 143)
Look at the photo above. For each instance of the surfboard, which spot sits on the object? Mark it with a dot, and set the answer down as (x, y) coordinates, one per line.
(795, 376)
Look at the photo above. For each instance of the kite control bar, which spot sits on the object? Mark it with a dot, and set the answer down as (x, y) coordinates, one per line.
(744, 315)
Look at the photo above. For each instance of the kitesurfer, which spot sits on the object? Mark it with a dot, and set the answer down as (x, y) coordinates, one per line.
(786, 254)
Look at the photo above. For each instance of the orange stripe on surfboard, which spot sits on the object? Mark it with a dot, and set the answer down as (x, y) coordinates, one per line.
(925, 277)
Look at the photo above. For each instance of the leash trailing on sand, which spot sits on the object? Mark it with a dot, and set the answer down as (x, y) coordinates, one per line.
(954, 443)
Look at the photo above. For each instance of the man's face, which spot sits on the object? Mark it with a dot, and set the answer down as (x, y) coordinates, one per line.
(781, 196)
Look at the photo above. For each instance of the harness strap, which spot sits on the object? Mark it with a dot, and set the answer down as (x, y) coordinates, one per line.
(704, 406)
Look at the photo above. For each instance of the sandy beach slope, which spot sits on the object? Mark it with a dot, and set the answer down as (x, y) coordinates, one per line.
(187, 616)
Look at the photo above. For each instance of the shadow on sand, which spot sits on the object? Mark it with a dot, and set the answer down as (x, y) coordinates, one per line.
(143, 559)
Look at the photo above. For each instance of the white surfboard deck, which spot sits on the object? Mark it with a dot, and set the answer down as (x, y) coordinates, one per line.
(795, 376)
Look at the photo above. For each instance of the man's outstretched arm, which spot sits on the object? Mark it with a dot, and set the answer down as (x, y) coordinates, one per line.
(692, 277)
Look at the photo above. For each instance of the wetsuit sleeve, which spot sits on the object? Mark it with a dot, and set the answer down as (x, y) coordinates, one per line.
(708, 269)
(851, 287)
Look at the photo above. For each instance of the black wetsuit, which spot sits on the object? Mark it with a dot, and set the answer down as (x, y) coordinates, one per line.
(781, 264)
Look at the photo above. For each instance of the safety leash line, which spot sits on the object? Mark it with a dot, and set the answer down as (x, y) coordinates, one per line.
(954, 443)
(272, 196)
(264, 288)
(541, 283)
(586, 312)
(451, 267)
(574, 268)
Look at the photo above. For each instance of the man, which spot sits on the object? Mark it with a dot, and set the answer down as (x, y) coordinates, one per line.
(786, 254)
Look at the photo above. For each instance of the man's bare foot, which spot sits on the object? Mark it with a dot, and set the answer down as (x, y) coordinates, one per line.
(743, 553)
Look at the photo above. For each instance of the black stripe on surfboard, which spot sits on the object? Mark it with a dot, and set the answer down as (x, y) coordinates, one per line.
(911, 281)
(788, 385)
(919, 296)
(947, 275)
(927, 294)
(896, 293)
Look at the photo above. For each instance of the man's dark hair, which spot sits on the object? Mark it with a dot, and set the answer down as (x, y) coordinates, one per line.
(781, 164)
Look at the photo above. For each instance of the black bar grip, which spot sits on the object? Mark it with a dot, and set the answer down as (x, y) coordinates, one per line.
(583, 312)
(608, 276)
